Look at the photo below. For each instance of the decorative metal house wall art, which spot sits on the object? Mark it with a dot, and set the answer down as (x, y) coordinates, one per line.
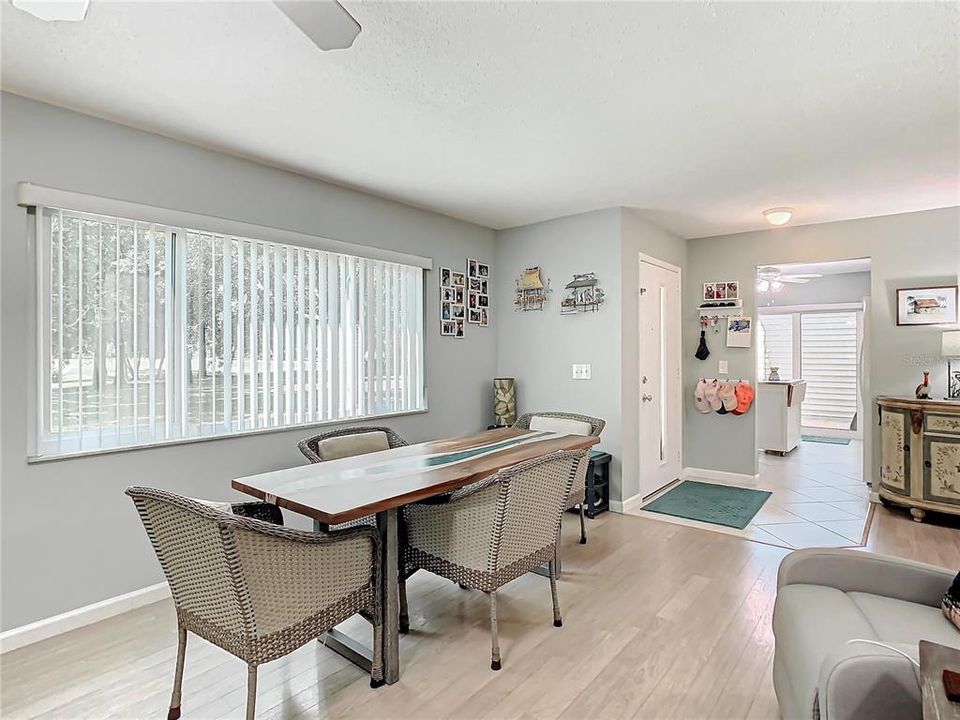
(531, 292)
(583, 295)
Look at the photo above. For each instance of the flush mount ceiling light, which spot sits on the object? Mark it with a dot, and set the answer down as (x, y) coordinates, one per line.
(52, 10)
(778, 216)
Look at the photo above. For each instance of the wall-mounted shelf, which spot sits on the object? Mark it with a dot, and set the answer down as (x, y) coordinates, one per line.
(722, 310)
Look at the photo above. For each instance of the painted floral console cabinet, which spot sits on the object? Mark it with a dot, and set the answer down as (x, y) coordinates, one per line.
(920, 455)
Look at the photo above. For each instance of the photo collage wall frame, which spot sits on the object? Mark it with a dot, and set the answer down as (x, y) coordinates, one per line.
(478, 293)
(452, 302)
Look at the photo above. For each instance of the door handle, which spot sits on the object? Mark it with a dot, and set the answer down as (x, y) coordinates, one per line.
(646, 398)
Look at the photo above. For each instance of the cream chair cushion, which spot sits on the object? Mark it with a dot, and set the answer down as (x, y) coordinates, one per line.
(349, 445)
(562, 426)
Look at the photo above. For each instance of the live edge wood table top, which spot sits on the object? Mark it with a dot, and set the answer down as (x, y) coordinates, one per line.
(339, 490)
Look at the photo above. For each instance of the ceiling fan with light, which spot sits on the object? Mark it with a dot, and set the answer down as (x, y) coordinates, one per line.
(772, 279)
(326, 22)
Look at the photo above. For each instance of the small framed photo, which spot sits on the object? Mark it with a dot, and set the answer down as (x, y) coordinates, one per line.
(484, 287)
(733, 290)
(709, 291)
(483, 270)
(483, 301)
(448, 294)
(457, 312)
(720, 291)
(458, 296)
(446, 311)
(472, 268)
(475, 284)
(927, 306)
(458, 328)
(457, 279)
(484, 317)
(448, 328)
(475, 317)
(444, 277)
(739, 331)
(472, 300)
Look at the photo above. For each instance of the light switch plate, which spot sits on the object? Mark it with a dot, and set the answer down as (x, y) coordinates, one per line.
(724, 367)
(581, 372)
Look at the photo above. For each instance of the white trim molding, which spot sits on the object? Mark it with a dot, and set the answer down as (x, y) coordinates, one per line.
(30, 195)
(24, 635)
(705, 474)
(627, 505)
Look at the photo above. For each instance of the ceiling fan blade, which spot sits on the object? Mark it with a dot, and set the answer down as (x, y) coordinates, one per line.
(804, 276)
(53, 10)
(795, 280)
(325, 22)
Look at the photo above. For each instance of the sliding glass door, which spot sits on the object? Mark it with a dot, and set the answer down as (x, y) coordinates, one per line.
(822, 346)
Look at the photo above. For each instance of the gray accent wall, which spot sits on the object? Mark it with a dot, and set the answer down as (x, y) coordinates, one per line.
(539, 348)
(907, 250)
(69, 535)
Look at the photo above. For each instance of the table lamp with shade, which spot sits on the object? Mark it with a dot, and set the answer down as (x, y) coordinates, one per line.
(950, 349)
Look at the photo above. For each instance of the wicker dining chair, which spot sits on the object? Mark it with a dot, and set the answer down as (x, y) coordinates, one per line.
(310, 447)
(579, 490)
(257, 590)
(493, 531)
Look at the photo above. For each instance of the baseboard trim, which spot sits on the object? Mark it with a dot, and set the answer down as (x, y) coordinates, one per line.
(705, 474)
(24, 635)
(629, 504)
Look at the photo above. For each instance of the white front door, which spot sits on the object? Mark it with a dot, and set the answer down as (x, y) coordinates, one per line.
(661, 391)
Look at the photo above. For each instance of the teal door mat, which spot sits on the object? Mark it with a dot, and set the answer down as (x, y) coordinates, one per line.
(826, 440)
(717, 504)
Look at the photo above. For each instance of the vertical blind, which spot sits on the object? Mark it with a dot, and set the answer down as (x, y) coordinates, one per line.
(828, 356)
(821, 348)
(152, 333)
(775, 343)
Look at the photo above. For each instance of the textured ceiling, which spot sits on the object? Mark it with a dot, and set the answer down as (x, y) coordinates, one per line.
(699, 114)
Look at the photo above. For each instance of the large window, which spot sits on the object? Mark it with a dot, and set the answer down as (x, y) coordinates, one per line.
(150, 333)
(821, 347)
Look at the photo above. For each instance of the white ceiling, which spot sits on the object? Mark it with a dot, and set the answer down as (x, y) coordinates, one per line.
(701, 114)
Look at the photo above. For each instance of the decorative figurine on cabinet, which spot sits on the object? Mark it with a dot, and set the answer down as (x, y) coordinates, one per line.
(923, 389)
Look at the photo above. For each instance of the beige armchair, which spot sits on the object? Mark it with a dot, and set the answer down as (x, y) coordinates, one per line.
(493, 531)
(845, 623)
(257, 590)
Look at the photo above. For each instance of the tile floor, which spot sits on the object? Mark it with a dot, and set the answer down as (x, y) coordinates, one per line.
(819, 499)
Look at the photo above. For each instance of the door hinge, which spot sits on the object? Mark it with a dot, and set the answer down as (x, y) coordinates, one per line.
(642, 290)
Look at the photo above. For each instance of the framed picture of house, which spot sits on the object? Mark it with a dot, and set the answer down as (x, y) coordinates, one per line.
(927, 306)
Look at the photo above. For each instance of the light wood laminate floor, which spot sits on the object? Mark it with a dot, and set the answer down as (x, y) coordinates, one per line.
(660, 621)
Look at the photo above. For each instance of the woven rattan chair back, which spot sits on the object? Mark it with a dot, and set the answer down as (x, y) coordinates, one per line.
(531, 502)
(310, 447)
(258, 590)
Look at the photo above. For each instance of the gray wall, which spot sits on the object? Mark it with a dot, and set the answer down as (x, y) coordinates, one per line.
(842, 288)
(908, 250)
(69, 535)
(538, 348)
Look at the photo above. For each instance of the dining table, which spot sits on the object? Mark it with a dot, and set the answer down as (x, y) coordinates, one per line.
(380, 484)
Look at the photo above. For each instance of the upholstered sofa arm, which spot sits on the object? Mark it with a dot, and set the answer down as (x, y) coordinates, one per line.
(862, 681)
(855, 571)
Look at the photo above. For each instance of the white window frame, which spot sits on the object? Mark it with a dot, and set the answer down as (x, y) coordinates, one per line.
(35, 197)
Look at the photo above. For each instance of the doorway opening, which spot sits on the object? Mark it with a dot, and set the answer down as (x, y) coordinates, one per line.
(812, 359)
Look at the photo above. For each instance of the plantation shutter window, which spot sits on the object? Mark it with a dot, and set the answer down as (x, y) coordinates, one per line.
(775, 342)
(151, 332)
